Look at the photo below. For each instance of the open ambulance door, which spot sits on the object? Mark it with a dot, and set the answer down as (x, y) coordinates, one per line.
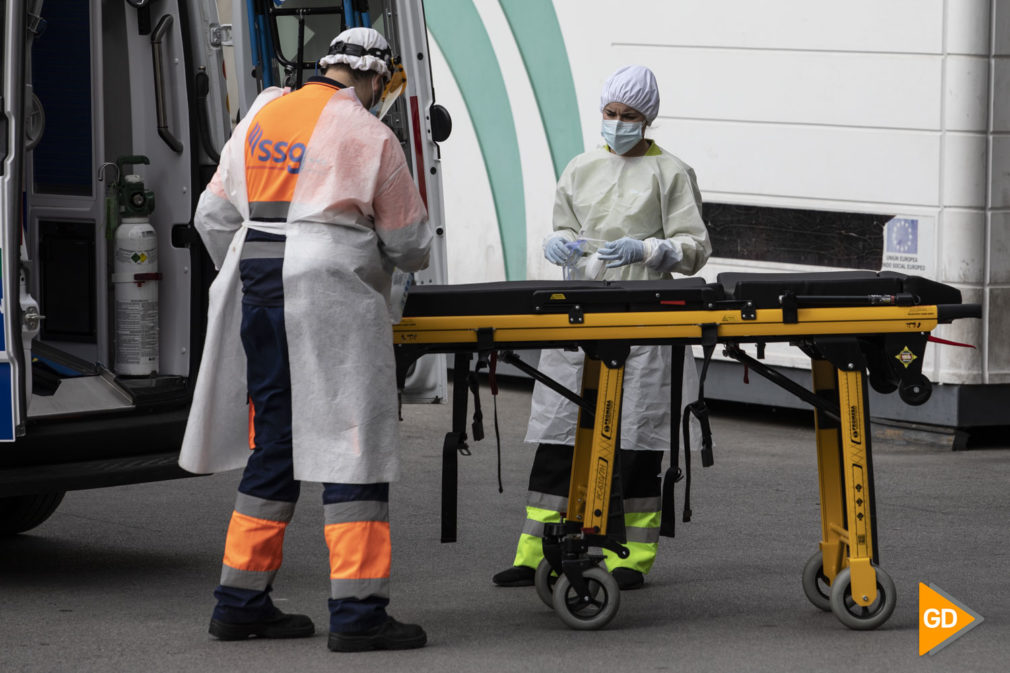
(276, 43)
(113, 114)
(13, 372)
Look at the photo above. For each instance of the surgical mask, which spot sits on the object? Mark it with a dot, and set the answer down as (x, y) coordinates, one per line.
(621, 136)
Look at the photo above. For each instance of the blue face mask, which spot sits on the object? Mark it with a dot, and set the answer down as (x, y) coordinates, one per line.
(621, 136)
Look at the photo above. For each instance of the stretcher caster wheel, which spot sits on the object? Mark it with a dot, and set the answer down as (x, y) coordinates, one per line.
(591, 614)
(544, 580)
(815, 583)
(915, 392)
(859, 617)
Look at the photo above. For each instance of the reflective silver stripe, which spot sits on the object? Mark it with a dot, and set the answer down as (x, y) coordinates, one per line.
(256, 580)
(362, 588)
(646, 535)
(639, 505)
(259, 508)
(555, 503)
(269, 210)
(262, 250)
(359, 510)
(534, 528)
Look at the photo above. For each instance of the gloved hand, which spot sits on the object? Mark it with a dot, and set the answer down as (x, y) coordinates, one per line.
(622, 252)
(557, 251)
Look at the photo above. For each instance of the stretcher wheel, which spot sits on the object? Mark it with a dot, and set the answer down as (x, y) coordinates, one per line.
(604, 600)
(855, 616)
(544, 580)
(815, 583)
(916, 392)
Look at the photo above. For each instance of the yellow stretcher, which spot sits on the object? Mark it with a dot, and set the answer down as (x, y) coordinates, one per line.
(857, 328)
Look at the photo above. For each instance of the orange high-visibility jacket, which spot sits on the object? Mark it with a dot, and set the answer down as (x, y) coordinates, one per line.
(316, 166)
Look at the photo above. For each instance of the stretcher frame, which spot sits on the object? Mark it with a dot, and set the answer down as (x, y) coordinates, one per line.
(843, 575)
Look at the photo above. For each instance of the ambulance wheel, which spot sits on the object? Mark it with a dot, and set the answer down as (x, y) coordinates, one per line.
(815, 583)
(859, 617)
(605, 599)
(20, 513)
(544, 580)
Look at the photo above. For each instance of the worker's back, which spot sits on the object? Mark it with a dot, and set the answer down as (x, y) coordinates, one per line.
(320, 148)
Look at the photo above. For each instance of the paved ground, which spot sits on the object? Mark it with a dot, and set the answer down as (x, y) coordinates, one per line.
(120, 579)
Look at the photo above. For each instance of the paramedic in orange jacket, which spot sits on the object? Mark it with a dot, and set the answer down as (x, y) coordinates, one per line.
(310, 211)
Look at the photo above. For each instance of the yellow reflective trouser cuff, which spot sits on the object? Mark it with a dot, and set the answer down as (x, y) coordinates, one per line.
(643, 542)
(531, 548)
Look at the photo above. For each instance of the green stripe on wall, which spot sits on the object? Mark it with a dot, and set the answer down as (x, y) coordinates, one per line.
(538, 36)
(460, 34)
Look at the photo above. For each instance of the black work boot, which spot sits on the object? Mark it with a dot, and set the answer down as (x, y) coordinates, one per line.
(390, 635)
(281, 625)
(516, 576)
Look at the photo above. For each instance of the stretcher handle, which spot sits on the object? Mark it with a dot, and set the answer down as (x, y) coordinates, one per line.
(823, 300)
(157, 38)
(951, 312)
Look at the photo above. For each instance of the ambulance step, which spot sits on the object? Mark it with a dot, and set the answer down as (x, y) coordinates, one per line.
(81, 395)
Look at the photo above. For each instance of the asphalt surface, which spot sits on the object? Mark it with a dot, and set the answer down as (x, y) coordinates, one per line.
(120, 579)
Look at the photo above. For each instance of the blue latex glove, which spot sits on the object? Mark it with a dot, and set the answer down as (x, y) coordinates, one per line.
(622, 252)
(558, 251)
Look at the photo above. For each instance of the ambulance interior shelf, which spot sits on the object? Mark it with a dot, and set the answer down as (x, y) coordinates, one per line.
(848, 323)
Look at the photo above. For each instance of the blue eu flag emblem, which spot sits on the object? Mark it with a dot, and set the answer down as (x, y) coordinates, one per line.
(903, 236)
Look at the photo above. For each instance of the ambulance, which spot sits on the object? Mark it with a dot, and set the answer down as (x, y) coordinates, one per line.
(112, 117)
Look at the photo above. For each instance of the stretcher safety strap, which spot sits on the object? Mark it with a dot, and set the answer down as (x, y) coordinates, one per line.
(667, 527)
(489, 360)
(454, 444)
(477, 428)
(699, 410)
(493, 382)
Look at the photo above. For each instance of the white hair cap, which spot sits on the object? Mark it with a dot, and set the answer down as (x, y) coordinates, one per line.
(359, 49)
(634, 86)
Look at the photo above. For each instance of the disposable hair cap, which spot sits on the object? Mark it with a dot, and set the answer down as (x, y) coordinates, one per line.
(634, 86)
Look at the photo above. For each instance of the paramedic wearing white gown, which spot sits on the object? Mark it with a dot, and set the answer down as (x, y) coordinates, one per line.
(311, 209)
(628, 210)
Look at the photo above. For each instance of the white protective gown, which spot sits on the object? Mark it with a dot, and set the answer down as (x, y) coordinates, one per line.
(603, 196)
(354, 215)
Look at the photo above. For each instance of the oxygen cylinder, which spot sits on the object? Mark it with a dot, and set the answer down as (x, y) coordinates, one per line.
(135, 278)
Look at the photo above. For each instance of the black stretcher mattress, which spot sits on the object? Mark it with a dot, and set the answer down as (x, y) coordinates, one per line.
(761, 290)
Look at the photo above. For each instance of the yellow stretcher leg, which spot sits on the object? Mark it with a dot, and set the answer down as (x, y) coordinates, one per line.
(856, 471)
(593, 461)
(834, 537)
(859, 593)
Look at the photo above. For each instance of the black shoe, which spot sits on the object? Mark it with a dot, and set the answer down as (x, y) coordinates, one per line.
(390, 635)
(516, 576)
(279, 626)
(628, 578)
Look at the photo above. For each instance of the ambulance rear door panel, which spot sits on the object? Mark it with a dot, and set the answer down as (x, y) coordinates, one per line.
(13, 403)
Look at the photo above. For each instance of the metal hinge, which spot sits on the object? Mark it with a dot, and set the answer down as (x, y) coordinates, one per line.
(220, 35)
